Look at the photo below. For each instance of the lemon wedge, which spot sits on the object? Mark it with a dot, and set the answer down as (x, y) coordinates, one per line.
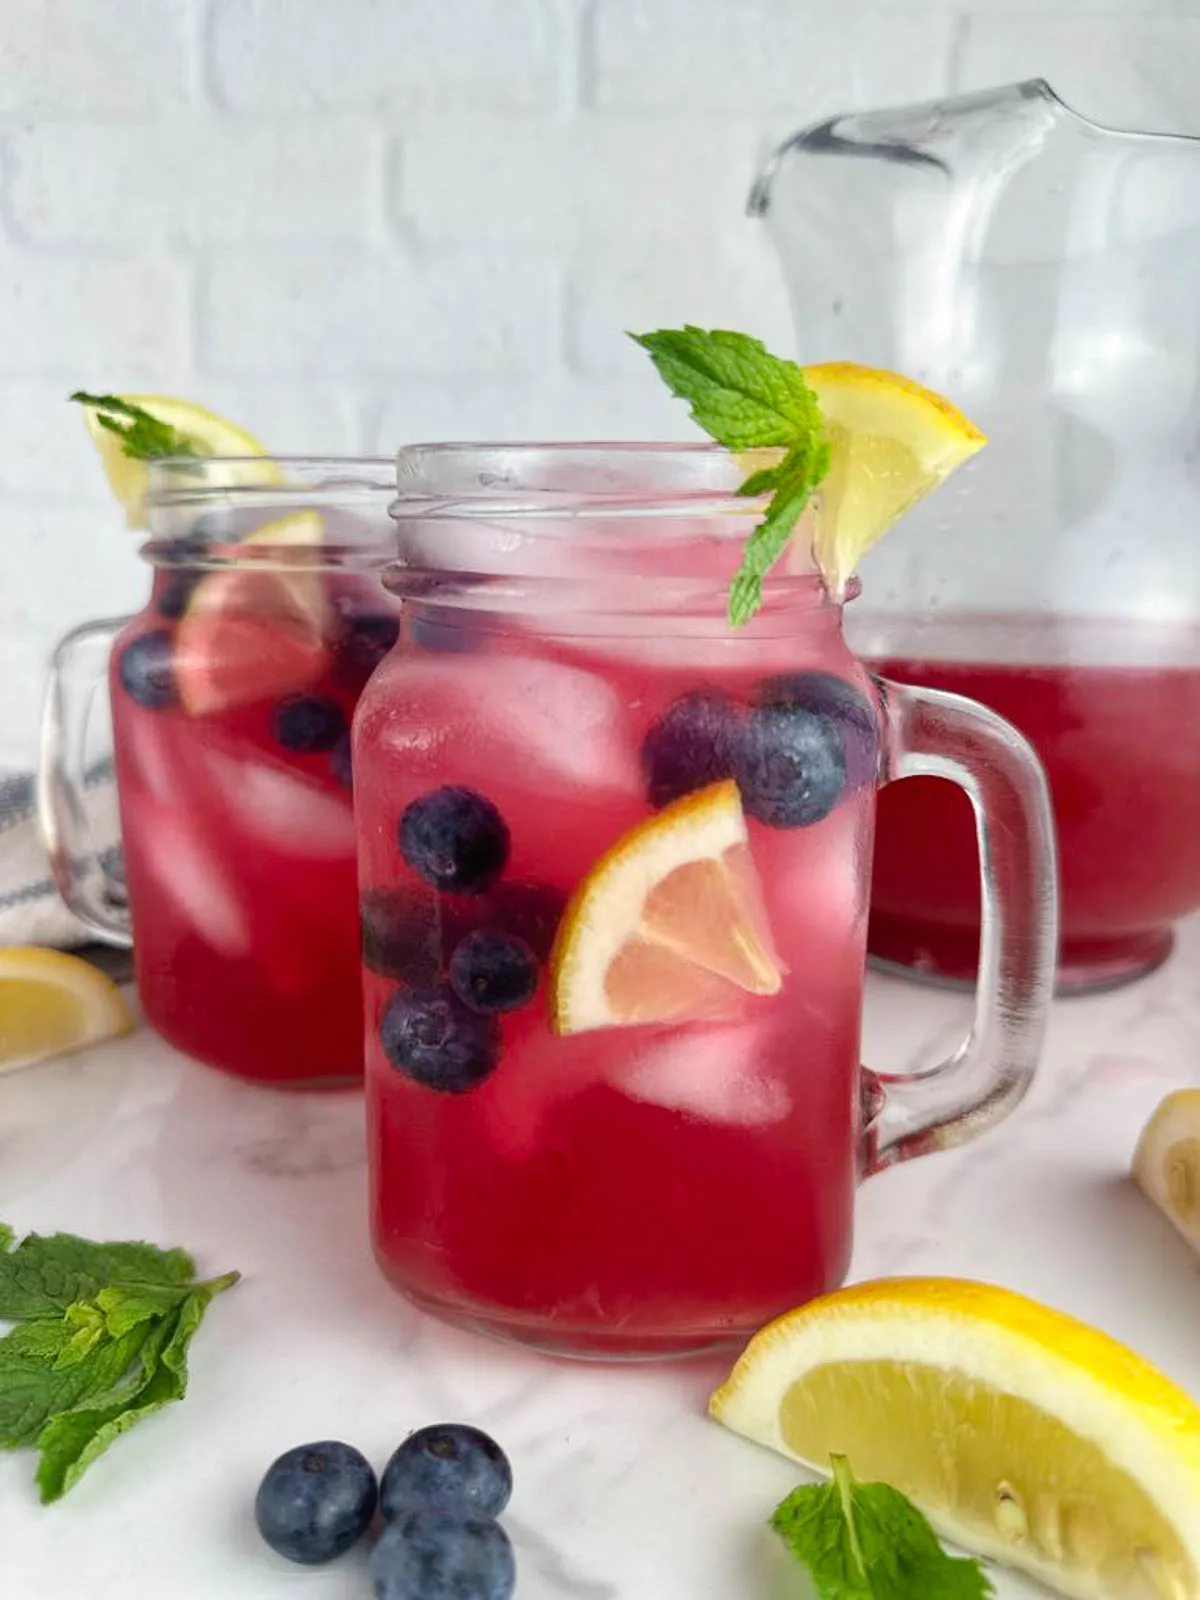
(254, 630)
(208, 435)
(1023, 1434)
(1166, 1164)
(668, 924)
(891, 443)
(52, 1003)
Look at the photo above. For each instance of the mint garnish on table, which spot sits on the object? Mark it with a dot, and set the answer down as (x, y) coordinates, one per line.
(866, 1541)
(143, 437)
(747, 399)
(101, 1341)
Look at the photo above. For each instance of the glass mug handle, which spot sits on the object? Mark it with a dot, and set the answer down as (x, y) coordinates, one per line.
(934, 734)
(77, 670)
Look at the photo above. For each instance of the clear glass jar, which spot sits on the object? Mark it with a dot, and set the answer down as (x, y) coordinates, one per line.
(1041, 271)
(231, 698)
(607, 1130)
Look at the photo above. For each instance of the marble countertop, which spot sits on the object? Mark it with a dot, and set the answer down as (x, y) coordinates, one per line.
(624, 1490)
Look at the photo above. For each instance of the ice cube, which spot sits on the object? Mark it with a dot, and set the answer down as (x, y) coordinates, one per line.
(188, 872)
(281, 810)
(562, 730)
(714, 1073)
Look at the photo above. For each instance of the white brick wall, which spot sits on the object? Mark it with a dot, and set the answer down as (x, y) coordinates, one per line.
(347, 225)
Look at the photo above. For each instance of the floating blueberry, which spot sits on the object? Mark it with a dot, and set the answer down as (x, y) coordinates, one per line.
(316, 1501)
(177, 581)
(455, 839)
(427, 1555)
(791, 766)
(448, 1467)
(430, 1036)
(307, 723)
(367, 637)
(832, 697)
(147, 670)
(401, 934)
(493, 972)
(693, 743)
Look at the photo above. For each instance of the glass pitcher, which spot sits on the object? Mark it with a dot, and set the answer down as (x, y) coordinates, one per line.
(614, 860)
(1042, 272)
(231, 695)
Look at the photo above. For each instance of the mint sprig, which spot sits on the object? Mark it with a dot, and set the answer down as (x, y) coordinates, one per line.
(142, 436)
(866, 1541)
(747, 399)
(101, 1341)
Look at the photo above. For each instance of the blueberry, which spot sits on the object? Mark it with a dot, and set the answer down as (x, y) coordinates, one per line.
(493, 972)
(448, 1467)
(455, 839)
(316, 1501)
(791, 766)
(176, 582)
(366, 638)
(306, 723)
(832, 697)
(428, 1555)
(430, 1036)
(401, 936)
(693, 743)
(147, 670)
(339, 761)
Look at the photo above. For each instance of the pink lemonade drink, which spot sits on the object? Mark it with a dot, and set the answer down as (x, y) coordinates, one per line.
(232, 694)
(1113, 710)
(614, 873)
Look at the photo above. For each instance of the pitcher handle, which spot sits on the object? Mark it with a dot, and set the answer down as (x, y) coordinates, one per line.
(78, 670)
(935, 734)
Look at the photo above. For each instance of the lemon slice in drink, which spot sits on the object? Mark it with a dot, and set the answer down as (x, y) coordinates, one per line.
(668, 924)
(208, 435)
(51, 1003)
(253, 630)
(1023, 1434)
(891, 443)
(1166, 1164)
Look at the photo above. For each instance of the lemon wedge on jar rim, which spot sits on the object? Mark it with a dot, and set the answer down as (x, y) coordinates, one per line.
(1022, 1434)
(52, 1003)
(891, 443)
(206, 433)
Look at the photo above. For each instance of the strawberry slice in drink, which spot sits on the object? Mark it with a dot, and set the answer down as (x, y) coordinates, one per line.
(251, 631)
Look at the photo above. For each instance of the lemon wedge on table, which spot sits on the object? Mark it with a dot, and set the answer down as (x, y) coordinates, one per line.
(1166, 1164)
(892, 442)
(1022, 1434)
(52, 1003)
(668, 924)
(207, 434)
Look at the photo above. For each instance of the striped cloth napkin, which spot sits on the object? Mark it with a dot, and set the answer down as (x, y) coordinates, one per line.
(31, 911)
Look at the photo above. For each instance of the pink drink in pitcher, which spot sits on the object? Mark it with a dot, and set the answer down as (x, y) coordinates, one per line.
(1113, 709)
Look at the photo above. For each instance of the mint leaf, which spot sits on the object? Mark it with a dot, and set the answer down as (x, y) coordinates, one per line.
(36, 1382)
(866, 1541)
(73, 1440)
(101, 1341)
(142, 436)
(746, 398)
(44, 1276)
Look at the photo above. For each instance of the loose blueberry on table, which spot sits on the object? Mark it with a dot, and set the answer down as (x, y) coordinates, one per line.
(449, 1467)
(316, 1501)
